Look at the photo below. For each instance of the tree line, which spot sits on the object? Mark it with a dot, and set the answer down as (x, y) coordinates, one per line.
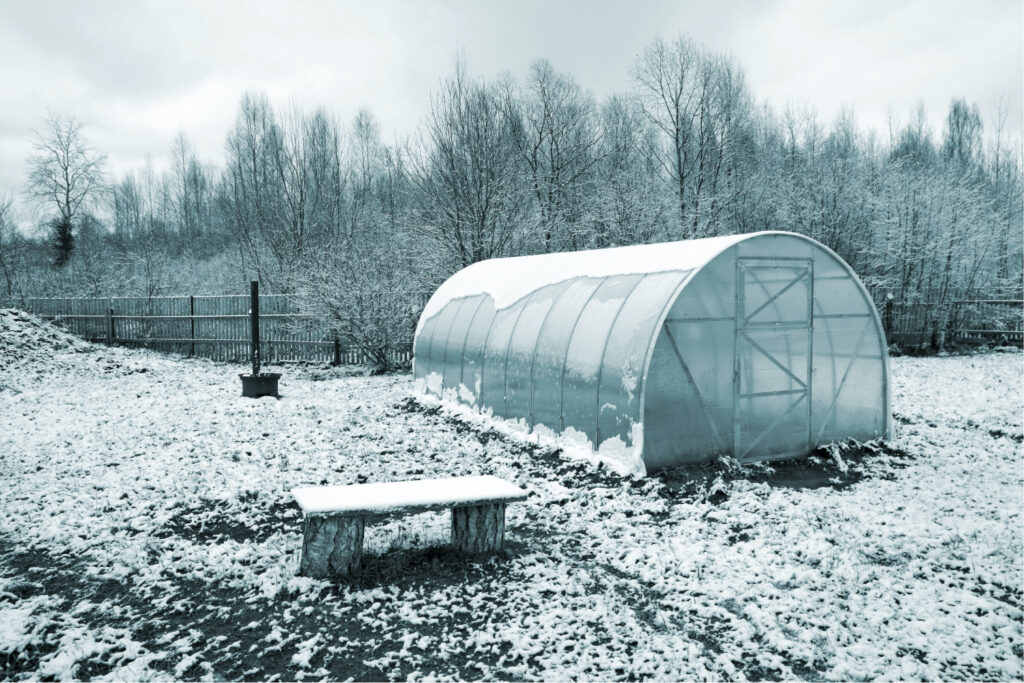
(359, 228)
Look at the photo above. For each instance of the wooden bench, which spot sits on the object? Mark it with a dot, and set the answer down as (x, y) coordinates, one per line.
(335, 516)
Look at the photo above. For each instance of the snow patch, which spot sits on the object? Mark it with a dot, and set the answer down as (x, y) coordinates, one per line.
(435, 383)
(390, 495)
(623, 458)
(136, 475)
(20, 625)
(465, 395)
(629, 382)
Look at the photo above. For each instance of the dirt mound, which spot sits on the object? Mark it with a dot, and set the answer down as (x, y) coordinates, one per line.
(23, 336)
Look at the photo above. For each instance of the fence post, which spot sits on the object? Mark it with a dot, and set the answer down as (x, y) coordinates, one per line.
(192, 320)
(110, 326)
(337, 351)
(254, 317)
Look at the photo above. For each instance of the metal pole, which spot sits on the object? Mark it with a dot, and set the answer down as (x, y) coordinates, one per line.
(110, 326)
(254, 316)
(192, 320)
(337, 351)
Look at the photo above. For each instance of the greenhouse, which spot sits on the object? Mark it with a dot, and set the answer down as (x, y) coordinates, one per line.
(757, 346)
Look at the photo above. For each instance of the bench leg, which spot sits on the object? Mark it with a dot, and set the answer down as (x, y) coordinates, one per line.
(478, 528)
(331, 546)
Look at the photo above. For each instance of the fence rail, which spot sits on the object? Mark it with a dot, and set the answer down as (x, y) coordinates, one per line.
(935, 325)
(214, 327)
(217, 327)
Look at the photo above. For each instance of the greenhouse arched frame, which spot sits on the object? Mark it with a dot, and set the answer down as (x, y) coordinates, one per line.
(757, 346)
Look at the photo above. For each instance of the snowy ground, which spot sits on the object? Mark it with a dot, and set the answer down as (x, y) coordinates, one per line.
(147, 532)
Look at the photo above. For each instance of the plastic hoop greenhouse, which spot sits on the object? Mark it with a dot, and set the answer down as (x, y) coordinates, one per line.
(756, 346)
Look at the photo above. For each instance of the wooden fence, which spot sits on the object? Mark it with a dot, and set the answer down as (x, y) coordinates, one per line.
(218, 326)
(933, 326)
(214, 327)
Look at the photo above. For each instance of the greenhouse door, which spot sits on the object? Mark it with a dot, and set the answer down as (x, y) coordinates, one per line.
(772, 371)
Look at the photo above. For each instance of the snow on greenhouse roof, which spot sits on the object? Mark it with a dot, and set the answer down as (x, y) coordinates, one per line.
(509, 279)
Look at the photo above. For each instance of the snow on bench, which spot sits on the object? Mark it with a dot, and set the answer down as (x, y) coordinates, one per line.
(335, 516)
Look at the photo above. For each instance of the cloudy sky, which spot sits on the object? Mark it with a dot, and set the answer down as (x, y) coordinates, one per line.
(137, 72)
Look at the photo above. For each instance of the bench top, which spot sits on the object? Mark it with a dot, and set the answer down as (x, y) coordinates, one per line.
(406, 496)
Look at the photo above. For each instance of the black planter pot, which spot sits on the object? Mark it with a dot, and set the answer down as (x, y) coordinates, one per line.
(263, 384)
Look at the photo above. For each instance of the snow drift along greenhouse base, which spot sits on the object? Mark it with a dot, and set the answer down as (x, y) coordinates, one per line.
(758, 346)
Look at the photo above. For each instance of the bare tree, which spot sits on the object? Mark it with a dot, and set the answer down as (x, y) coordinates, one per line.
(247, 180)
(962, 143)
(192, 197)
(65, 174)
(467, 175)
(698, 102)
(285, 188)
(556, 132)
(367, 158)
(629, 206)
(7, 230)
(1005, 170)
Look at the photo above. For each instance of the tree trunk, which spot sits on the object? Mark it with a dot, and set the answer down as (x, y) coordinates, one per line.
(478, 528)
(331, 546)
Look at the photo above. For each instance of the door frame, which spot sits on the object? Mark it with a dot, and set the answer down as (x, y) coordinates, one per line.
(806, 267)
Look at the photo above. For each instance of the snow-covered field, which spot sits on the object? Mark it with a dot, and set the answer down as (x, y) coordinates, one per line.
(147, 532)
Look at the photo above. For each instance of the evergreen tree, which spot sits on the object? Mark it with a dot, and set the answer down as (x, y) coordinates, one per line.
(63, 241)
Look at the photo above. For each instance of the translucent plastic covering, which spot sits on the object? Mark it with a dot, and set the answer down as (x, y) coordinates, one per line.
(755, 346)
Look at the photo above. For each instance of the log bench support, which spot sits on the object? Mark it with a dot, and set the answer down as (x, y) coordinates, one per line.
(478, 528)
(335, 517)
(332, 545)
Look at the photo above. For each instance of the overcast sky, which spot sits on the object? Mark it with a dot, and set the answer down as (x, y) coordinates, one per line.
(137, 72)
